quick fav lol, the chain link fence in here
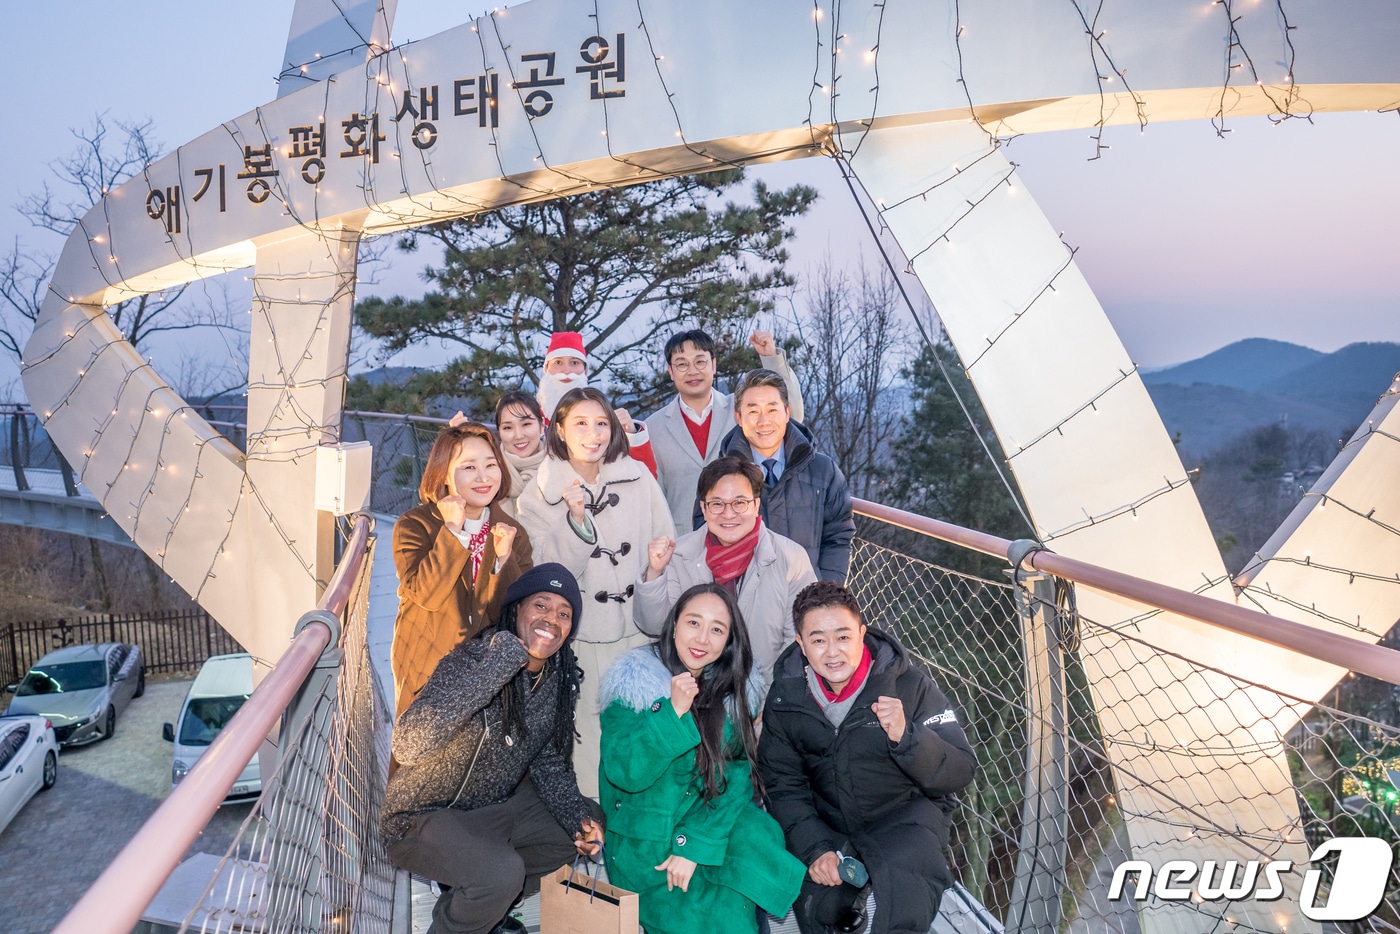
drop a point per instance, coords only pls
(308, 856)
(1189, 755)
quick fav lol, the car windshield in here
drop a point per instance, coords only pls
(63, 678)
(206, 716)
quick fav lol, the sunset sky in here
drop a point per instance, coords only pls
(1190, 241)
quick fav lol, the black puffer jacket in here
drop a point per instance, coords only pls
(458, 712)
(809, 504)
(829, 785)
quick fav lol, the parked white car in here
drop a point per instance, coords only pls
(219, 690)
(28, 762)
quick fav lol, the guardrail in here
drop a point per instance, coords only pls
(116, 900)
(1030, 834)
(1351, 654)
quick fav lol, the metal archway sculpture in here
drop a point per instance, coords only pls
(554, 97)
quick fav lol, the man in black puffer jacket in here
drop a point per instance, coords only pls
(484, 798)
(805, 496)
(860, 754)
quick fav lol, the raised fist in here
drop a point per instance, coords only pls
(763, 342)
(502, 538)
(453, 511)
(659, 551)
(684, 687)
(573, 497)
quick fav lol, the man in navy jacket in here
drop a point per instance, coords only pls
(860, 754)
(805, 495)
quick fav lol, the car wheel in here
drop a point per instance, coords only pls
(50, 770)
(110, 727)
(140, 682)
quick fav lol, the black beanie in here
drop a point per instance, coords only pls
(546, 578)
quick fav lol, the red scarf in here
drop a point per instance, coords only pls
(477, 547)
(853, 685)
(729, 562)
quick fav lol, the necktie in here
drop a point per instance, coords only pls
(769, 478)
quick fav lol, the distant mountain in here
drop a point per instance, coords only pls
(1353, 376)
(1246, 364)
(1212, 400)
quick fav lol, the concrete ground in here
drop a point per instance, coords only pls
(64, 837)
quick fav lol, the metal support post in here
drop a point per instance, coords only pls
(1039, 881)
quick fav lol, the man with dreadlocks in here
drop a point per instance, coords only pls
(485, 799)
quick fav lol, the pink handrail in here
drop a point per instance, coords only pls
(1333, 648)
(116, 900)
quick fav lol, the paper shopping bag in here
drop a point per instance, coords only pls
(572, 902)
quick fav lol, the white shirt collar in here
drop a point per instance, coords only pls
(471, 526)
(694, 416)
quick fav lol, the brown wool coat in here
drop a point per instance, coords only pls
(438, 605)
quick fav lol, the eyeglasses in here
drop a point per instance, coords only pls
(599, 551)
(716, 507)
(700, 365)
(603, 596)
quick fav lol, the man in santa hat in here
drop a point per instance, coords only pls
(565, 368)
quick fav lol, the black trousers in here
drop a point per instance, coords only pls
(905, 873)
(489, 856)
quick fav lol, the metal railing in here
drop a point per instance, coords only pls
(1083, 728)
(116, 900)
(1038, 684)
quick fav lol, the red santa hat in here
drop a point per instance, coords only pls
(566, 344)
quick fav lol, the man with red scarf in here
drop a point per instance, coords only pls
(734, 549)
(861, 754)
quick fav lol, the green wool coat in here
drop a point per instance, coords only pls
(655, 807)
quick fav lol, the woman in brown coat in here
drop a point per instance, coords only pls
(456, 555)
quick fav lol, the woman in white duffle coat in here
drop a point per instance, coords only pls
(592, 508)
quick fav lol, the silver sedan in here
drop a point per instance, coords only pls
(82, 689)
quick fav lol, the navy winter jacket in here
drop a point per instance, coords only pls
(809, 504)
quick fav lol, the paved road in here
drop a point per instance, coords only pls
(65, 837)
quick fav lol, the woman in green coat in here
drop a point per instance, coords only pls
(676, 781)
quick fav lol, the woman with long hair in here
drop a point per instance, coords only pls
(592, 508)
(457, 553)
(520, 424)
(677, 777)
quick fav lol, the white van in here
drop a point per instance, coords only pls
(222, 685)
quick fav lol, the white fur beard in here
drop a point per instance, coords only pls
(553, 387)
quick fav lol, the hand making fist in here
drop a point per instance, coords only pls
(659, 551)
(890, 712)
(625, 417)
(684, 687)
(573, 497)
(453, 510)
(763, 342)
(502, 538)
(825, 869)
(458, 419)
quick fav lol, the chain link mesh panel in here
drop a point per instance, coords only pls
(1226, 738)
(308, 856)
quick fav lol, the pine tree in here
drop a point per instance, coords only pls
(625, 266)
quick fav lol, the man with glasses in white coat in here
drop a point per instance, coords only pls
(735, 549)
(687, 431)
